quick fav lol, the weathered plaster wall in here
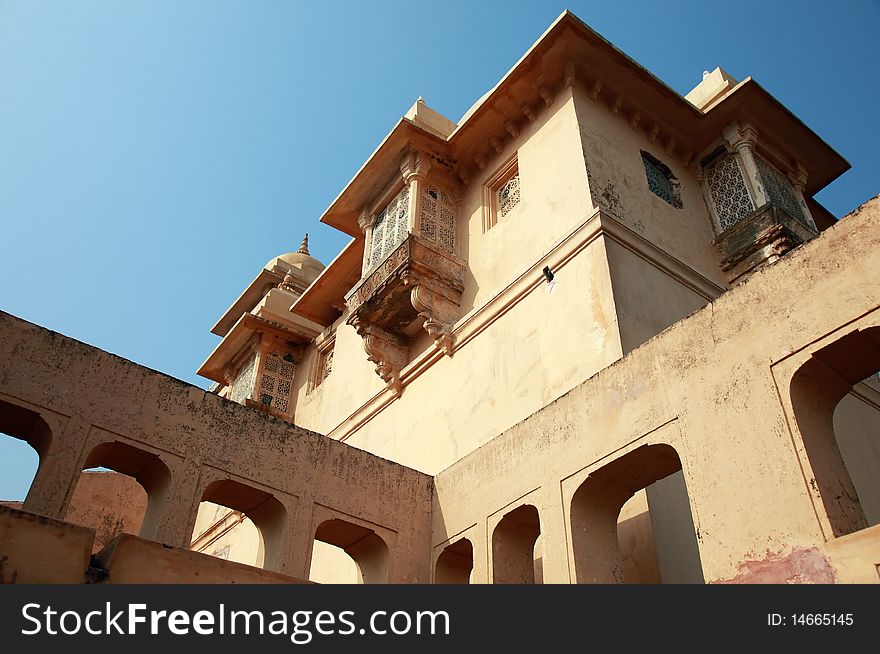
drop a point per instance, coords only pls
(88, 397)
(713, 386)
(109, 503)
(612, 150)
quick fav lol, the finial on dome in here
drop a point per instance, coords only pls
(304, 246)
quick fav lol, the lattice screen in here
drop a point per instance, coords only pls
(780, 190)
(437, 222)
(276, 381)
(325, 364)
(508, 195)
(660, 180)
(244, 381)
(727, 188)
(391, 228)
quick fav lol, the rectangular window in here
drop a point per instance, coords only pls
(323, 361)
(726, 187)
(502, 194)
(390, 229)
(661, 181)
(780, 190)
(276, 380)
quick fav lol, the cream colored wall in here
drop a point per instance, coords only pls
(857, 428)
(554, 200)
(515, 367)
(242, 543)
(351, 382)
(611, 149)
(331, 565)
(672, 530)
(716, 388)
(635, 537)
(543, 347)
(646, 298)
(538, 350)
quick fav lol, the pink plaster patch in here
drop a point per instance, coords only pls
(801, 566)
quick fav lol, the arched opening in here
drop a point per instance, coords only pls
(227, 534)
(610, 544)
(513, 546)
(23, 462)
(836, 402)
(264, 511)
(333, 565)
(455, 563)
(111, 503)
(359, 544)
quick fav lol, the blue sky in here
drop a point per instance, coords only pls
(154, 155)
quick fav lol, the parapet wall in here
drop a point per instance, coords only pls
(81, 407)
(737, 401)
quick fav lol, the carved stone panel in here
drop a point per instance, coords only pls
(417, 287)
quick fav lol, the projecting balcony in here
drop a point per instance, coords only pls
(759, 239)
(417, 286)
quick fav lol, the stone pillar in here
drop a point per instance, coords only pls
(414, 168)
(553, 540)
(798, 180)
(176, 524)
(742, 139)
(56, 479)
(366, 221)
(298, 556)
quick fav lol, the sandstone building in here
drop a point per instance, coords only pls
(592, 332)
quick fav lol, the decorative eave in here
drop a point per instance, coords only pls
(380, 171)
(780, 131)
(570, 53)
(248, 299)
(238, 336)
(324, 301)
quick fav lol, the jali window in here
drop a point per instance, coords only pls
(501, 194)
(324, 361)
(508, 195)
(276, 381)
(780, 190)
(727, 190)
(391, 228)
(244, 381)
(437, 220)
(661, 181)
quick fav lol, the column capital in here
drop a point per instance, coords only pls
(414, 166)
(798, 177)
(741, 136)
(366, 219)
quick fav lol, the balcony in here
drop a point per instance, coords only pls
(417, 286)
(758, 240)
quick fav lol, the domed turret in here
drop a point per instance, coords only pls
(300, 264)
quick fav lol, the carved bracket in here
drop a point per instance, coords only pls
(388, 351)
(418, 286)
(439, 312)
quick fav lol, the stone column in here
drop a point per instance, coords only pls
(798, 180)
(366, 221)
(176, 524)
(56, 478)
(300, 539)
(553, 540)
(742, 139)
(414, 168)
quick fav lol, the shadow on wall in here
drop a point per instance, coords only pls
(836, 402)
(596, 508)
